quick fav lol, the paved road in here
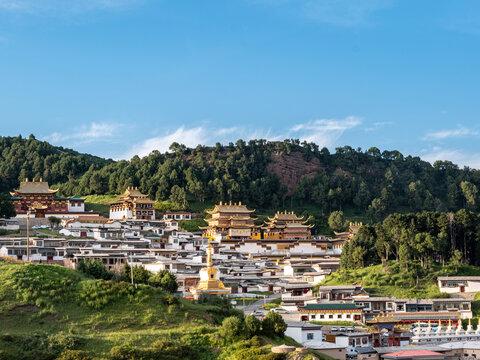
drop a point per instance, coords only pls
(258, 304)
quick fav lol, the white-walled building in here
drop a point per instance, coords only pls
(456, 284)
(302, 331)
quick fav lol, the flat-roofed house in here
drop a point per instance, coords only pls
(456, 284)
(331, 312)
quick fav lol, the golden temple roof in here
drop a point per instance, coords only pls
(134, 192)
(230, 208)
(34, 187)
(285, 216)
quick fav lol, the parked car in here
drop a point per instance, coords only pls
(280, 310)
(334, 328)
(351, 352)
(351, 328)
(343, 329)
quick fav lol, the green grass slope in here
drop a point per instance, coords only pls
(41, 305)
(46, 310)
(393, 279)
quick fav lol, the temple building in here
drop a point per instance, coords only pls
(133, 205)
(41, 201)
(231, 221)
(286, 225)
(209, 280)
(342, 237)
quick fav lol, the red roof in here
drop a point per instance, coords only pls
(408, 354)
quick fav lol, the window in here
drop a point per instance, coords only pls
(330, 316)
(309, 336)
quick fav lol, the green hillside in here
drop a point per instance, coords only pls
(391, 279)
(46, 310)
(368, 184)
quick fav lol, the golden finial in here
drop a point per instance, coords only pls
(209, 255)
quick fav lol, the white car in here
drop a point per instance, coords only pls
(351, 352)
(280, 310)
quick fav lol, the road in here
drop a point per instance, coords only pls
(258, 304)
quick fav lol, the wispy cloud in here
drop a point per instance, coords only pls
(94, 132)
(459, 157)
(345, 13)
(324, 132)
(459, 132)
(378, 125)
(191, 137)
(61, 6)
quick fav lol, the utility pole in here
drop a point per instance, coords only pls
(131, 267)
(28, 235)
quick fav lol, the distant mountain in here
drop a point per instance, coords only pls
(265, 175)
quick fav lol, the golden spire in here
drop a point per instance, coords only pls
(209, 255)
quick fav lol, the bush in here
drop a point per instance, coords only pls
(61, 341)
(252, 325)
(232, 328)
(124, 352)
(95, 269)
(170, 300)
(273, 325)
(74, 355)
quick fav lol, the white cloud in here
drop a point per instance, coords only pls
(459, 132)
(204, 135)
(61, 6)
(189, 137)
(459, 157)
(102, 131)
(324, 132)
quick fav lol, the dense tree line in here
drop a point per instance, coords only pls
(426, 237)
(22, 158)
(371, 181)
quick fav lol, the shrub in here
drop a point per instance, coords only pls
(124, 352)
(74, 355)
(273, 325)
(252, 325)
(232, 328)
(61, 341)
(170, 300)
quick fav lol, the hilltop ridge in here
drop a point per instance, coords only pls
(266, 175)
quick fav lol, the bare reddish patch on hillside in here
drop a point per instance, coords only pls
(290, 169)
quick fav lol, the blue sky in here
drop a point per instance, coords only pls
(122, 77)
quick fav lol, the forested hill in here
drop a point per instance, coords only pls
(265, 175)
(22, 158)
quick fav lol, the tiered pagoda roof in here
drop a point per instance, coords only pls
(230, 208)
(286, 220)
(33, 187)
(134, 195)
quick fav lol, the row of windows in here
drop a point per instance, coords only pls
(332, 316)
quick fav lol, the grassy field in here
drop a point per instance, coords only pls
(46, 309)
(393, 280)
(100, 199)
